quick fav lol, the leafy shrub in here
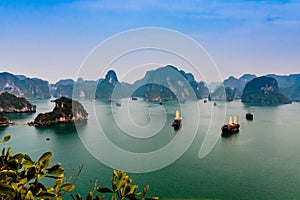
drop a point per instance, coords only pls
(21, 178)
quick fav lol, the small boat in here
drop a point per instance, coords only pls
(118, 104)
(231, 127)
(249, 116)
(177, 121)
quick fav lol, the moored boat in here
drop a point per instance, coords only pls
(177, 120)
(249, 116)
(231, 127)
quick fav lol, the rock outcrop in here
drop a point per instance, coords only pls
(10, 103)
(263, 91)
(4, 121)
(65, 111)
(169, 82)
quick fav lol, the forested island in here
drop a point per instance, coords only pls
(65, 111)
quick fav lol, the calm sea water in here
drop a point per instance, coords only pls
(260, 162)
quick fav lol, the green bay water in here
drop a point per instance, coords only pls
(260, 162)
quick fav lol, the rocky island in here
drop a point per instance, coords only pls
(4, 121)
(65, 111)
(263, 91)
(9, 103)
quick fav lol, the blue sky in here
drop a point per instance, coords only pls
(50, 39)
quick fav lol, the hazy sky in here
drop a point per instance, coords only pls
(51, 38)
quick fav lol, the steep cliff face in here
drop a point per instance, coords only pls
(292, 92)
(65, 111)
(24, 87)
(4, 121)
(223, 94)
(239, 84)
(180, 84)
(105, 87)
(10, 103)
(265, 91)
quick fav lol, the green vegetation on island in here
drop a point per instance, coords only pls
(66, 110)
(10, 103)
(263, 91)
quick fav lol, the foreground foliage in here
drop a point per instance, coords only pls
(22, 178)
(121, 189)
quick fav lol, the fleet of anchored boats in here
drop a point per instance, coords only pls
(227, 129)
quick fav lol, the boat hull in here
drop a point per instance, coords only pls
(176, 124)
(229, 129)
(249, 116)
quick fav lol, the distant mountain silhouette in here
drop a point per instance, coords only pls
(24, 87)
(163, 82)
(240, 83)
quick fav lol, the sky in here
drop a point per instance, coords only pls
(51, 39)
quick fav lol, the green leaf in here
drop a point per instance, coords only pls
(104, 189)
(41, 187)
(27, 157)
(89, 196)
(8, 173)
(78, 197)
(146, 188)
(6, 138)
(23, 181)
(13, 164)
(58, 171)
(8, 153)
(133, 189)
(45, 156)
(19, 156)
(29, 196)
(54, 167)
(7, 190)
(46, 195)
(28, 164)
(67, 187)
(31, 173)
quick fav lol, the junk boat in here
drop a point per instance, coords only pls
(249, 116)
(177, 121)
(230, 128)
